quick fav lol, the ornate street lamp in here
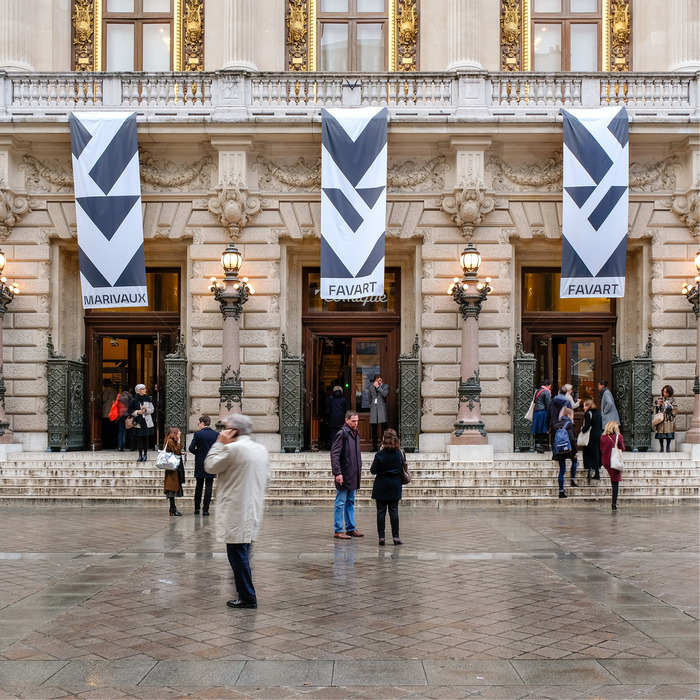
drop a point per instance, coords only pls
(231, 294)
(7, 294)
(469, 294)
(692, 294)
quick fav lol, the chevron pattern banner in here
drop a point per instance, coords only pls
(595, 206)
(353, 202)
(108, 209)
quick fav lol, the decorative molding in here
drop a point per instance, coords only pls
(297, 176)
(83, 35)
(234, 209)
(404, 176)
(49, 176)
(193, 35)
(12, 208)
(406, 35)
(467, 208)
(688, 209)
(511, 35)
(546, 176)
(654, 177)
(297, 35)
(620, 34)
(166, 175)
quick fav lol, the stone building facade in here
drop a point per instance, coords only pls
(229, 143)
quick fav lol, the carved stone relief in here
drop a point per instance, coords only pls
(655, 176)
(688, 209)
(620, 35)
(297, 35)
(511, 35)
(524, 176)
(56, 176)
(467, 208)
(234, 208)
(303, 176)
(83, 31)
(406, 35)
(193, 35)
(12, 208)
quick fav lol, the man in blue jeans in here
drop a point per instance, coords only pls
(346, 464)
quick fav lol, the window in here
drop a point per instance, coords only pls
(138, 35)
(352, 35)
(566, 35)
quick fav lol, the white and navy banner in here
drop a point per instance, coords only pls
(108, 209)
(595, 208)
(353, 202)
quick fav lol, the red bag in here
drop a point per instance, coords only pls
(114, 411)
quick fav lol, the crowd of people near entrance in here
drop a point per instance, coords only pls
(599, 438)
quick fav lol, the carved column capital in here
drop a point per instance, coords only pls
(12, 208)
(467, 207)
(234, 208)
(688, 209)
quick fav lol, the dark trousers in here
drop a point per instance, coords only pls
(142, 444)
(393, 507)
(562, 468)
(615, 489)
(374, 427)
(205, 484)
(240, 563)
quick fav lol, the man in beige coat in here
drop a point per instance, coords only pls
(242, 468)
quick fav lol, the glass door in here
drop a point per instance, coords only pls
(366, 362)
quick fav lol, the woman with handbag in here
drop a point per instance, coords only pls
(611, 440)
(540, 407)
(174, 478)
(664, 420)
(591, 431)
(141, 410)
(388, 467)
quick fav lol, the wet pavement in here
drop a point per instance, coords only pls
(112, 602)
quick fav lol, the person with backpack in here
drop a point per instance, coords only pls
(564, 447)
(346, 465)
(554, 412)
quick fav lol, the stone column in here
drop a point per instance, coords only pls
(15, 35)
(240, 35)
(464, 35)
(685, 28)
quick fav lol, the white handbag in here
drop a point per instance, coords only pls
(583, 438)
(167, 460)
(530, 411)
(616, 457)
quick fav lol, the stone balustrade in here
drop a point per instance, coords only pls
(238, 96)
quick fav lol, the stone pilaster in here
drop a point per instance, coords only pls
(240, 35)
(15, 35)
(464, 35)
(684, 16)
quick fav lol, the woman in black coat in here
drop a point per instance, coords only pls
(387, 484)
(141, 410)
(593, 421)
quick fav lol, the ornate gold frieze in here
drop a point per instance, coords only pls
(193, 35)
(511, 35)
(620, 34)
(83, 31)
(297, 35)
(406, 35)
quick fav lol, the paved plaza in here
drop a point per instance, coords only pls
(114, 602)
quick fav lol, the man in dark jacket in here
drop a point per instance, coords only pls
(346, 465)
(202, 441)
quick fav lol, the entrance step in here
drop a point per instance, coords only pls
(304, 479)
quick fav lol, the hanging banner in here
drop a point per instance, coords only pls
(108, 209)
(595, 202)
(353, 202)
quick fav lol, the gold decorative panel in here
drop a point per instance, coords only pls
(511, 35)
(83, 33)
(297, 35)
(402, 36)
(193, 35)
(406, 24)
(516, 41)
(620, 34)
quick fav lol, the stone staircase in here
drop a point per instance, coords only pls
(303, 479)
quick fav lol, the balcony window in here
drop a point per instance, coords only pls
(352, 35)
(138, 35)
(566, 35)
